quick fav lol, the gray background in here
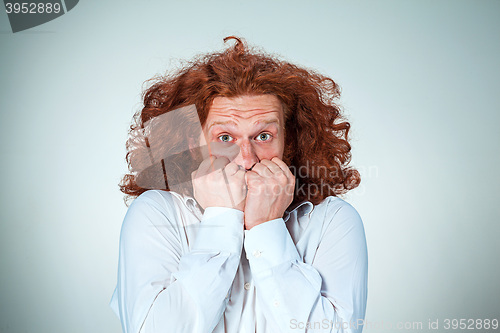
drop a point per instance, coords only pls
(420, 83)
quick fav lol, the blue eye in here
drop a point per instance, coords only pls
(225, 138)
(264, 137)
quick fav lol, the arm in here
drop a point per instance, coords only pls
(160, 289)
(330, 293)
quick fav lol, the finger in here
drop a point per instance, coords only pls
(251, 176)
(282, 165)
(231, 169)
(241, 175)
(248, 174)
(262, 170)
(272, 166)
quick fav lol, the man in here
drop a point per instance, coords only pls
(247, 245)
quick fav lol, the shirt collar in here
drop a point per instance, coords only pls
(302, 208)
(189, 201)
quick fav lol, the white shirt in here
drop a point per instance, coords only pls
(183, 271)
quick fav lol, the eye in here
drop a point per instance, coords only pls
(225, 138)
(264, 137)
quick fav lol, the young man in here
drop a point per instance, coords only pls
(258, 240)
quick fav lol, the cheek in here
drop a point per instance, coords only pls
(220, 149)
(268, 152)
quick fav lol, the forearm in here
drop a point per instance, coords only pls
(207, 272)
(291, 290)
(195, 301)
(161, 289)
(291, 294)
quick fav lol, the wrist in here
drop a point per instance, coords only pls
(249, 224)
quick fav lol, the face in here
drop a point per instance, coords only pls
(246, 129)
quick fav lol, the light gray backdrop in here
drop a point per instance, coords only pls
(421, 87)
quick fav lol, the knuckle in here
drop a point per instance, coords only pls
(282, 178)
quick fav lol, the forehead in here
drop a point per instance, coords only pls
(254, 108)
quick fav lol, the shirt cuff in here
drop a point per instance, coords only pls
(221, 230)
(268, 245)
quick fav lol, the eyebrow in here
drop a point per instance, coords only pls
(227, 122)
(230, 122)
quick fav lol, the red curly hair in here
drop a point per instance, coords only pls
(316, 135)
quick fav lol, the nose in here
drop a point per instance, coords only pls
(247, 157)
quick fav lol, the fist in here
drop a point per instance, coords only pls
(219, 183)
(271, 187)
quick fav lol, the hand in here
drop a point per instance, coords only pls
(271, 186)
(219, 183)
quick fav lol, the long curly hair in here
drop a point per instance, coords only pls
(316, 134)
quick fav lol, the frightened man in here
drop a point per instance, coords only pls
(236, 163)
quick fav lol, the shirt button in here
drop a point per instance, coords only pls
(247, 286)
(257, 253)
(276, 303)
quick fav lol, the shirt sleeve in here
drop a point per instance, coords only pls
(328, 295)
(159, 288)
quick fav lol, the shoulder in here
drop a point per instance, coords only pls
(343, 229)
(157, 196)
(153, 207)
(339, 206)
(162, 200)
(338, 212)
(151, 225)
